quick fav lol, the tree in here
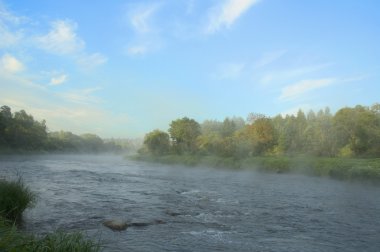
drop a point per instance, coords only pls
(157, 142)
(184, 133)
(228, 127)
(92, 143)
(5, 121)
(261, 134)
(358, 130)
(23, 132)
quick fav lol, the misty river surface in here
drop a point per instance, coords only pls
(202, 209)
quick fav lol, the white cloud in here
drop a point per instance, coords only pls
(224, 15)
(293, 91)
(140, 18)
(58, 80)
(268, 58)
(62, 38)
(90, 61)
(10, 64)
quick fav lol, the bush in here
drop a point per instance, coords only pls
(15, 197)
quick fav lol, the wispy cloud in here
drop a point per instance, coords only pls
(140, 17)
(90, 61)
(284, 75)
(8, 16)
(270, 57)
(58, 80)
(297, 89)
(137, 50)
(62, 38)
(82, 96)
(225, 14)
(10, 64)
(146, 37)
(229, 71)
(9, 37)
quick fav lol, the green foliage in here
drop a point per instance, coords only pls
(11, 240)
(20, 132)
(184, 133)
(261, 135)
(337, 168)
(15, 197)
(157, 142)
(359, 127)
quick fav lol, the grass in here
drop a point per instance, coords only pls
(15, 197)
(337, 168)
(11, 240)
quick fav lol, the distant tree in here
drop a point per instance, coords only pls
(358, 129)
(262, 135)
(184, 133)
(157, 142)
(228, 128)
(5, 121)
(211, 127)
(92, 143)
(23, 132)
(252, 117)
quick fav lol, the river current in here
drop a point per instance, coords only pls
(196, 209)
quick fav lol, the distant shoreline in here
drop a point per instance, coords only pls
(348, 169)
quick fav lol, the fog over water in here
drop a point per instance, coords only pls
(201, 209)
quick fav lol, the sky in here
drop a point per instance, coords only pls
(122, 68)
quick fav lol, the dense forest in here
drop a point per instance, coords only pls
(350, 132)
(19, 131)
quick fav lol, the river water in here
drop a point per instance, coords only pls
(201, 209)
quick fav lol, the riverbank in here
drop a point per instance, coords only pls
(337, 168)
(15, 197)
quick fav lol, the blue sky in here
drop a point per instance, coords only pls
(123, 68)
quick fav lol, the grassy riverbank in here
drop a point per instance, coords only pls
(337, 168)
(15, 197)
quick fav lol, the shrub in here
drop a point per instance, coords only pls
(15, 197)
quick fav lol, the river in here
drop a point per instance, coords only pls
(201, 209)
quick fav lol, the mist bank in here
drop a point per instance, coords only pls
(350, 169)
(344, 145)
(20, 133)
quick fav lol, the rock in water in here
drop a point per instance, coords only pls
(116, 225)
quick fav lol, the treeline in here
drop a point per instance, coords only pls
(350, 132)
(19, 131)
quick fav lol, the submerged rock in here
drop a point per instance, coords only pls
(144, 224)
(116, 225)
(171, 213)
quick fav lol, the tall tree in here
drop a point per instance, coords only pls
(184, 133)
(157, 142)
